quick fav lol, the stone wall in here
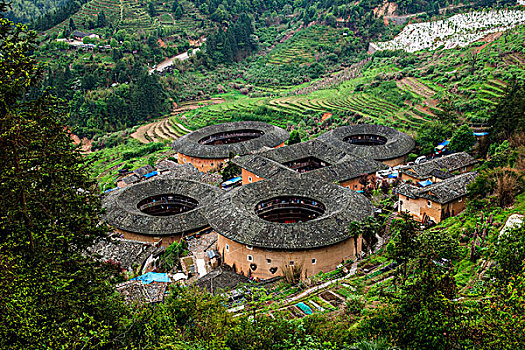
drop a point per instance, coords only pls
(166, 240)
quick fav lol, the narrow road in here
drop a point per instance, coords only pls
(169, 62)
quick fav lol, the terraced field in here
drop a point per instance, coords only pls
(164, 130)
(491, 91)
(90, 11)
(123, 14)
(304, 45)
(416, 87)
(192, 24)
(372, 108)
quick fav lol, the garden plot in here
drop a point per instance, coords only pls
(458, 30)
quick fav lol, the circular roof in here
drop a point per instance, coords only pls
(191, 144)
(397, 143)
(233, 214)
(122, 207)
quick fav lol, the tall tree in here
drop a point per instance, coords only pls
(51, 293)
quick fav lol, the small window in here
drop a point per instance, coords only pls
(250, 258)
(227, 247)
(249, 179)
(256, 176)
(355, 187)
(291, 263)
(314, 261)
(268, 261)
(211, 164)
(400, 202)
(184, 160)
(429, 204)
(460, 200)
(249, 247)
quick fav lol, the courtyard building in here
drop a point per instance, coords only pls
(162, 210)
(209, 148)
(286, 223)
(311, 159)
(369, 141)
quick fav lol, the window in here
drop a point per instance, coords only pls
(314, 261)
(227, 247)
(249, 179)
(256, 176)
(400, 202)
(291, 263)
(249, 258)
(268, 261)
(249, 247)
(460, 200)
(355, 187)
(429, 204)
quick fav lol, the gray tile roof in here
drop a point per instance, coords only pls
(130, 179)
(342, 166)
(233, 214)
(441, 192)
(448, 163)
(397, 143)
(143, 170)
(189, 144)
(122, 211)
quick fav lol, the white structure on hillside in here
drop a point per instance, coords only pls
(458, 30)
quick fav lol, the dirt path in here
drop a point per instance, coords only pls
(140, 133)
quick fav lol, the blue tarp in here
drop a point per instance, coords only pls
(305, 308)
(393, 175)
(480, 134)
(425, 183)
(153, 277)
(111, 189)
(232, 181)
(153, 173)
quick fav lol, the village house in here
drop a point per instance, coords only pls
(439, 169)
(435, 202)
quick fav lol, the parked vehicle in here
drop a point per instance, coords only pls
(420, 159)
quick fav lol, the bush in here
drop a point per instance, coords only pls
(142, 151)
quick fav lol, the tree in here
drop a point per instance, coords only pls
(231, 170)
(431, 134)
(510, 253)
(406, 246)
(509, 115)
(294, 138)
(330, 20)
(462, 139)
(151, 9)
(101, 20)
(51, 293)
(177, 10)
(72, 25)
